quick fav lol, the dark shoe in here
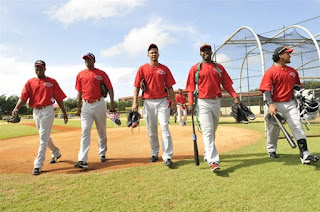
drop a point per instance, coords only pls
(36, 171)
(153, 159)
(81, 165)
(184, 124)
(54, 159)
(273, 155)
(168, 162)
(214, 167)
(103, 159)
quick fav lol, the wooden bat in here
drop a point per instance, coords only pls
(195, 145)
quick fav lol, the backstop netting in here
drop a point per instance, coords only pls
(247, 55)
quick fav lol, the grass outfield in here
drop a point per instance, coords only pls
(248, 181)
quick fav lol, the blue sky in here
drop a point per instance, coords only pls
(118, 33)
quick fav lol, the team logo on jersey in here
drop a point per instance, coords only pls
(161, 72)
(99, 77)
(293, 74)
(48, 84)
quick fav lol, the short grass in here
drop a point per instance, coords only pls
(16, 130)
(248, 181)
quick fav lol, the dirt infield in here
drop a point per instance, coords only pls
(124, 148)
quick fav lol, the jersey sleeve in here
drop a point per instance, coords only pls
(25, 94)
(190, 86)
(78, 84)
(170, 80)
(58, 94)
(107, 81)
(139, 77)
(266, 82)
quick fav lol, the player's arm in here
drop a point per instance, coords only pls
(135, 98)
(79, 103)
(174, 103)
(111, 94)
(272, 107)
(19, 104)
(65, 116)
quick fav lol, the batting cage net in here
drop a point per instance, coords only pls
(247, 55)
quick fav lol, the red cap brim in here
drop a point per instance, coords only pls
(289, 51)
(87, 57)
(39, 65)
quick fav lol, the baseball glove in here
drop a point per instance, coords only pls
(143, 85)
(114, 116)
(238, 114)
(133, 119)
(247, 112)
(14, 119)
(104, 89)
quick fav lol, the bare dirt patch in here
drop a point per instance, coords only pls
(124, 148)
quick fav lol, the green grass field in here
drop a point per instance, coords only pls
(248, 181)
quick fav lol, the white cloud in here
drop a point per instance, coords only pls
(224, 59)
(14, 74)
(138, 39)
(78, 10)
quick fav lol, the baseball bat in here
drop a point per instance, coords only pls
(285, 132)
(195, 145)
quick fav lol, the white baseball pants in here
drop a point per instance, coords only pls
(181, 113)
(93, 112)
(209, 112)
(43, 119)
(291, 112)
(155, 109)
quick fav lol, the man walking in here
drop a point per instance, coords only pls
(277, 84)
(205, 78)
(181, 107)
(93, 108)
(42, 92)
(157, 78)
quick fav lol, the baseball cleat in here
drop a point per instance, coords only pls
(81, 165)
(168, 162)
(54, 159)
(214, 167)
(103, 159)
(153, 159)
(273, 155)
(308, 158)
(36, 171)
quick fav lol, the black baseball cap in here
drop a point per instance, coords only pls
(152, 46)
(281, 50)
(89, 55)
(40, 63)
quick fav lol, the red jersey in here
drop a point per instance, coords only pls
(88, 83)
(157, 79)
(181, 99)
(280, 82)
(209, 82)
(42, 92)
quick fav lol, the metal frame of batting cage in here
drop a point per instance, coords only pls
(259, 45)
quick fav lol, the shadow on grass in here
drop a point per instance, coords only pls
(247, 160)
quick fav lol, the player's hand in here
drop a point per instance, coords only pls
(14, 110)
(79, 111)
(174, 109)
(112, 105)
(237, 100)
(65, 118)
(190, 107)
(272, 109)
(134, 107)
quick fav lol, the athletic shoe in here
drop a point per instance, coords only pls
(81, 165)
(273, 155)
(308, 158)
(184, 124)
(205, 159)
(54, 159)
(36, 171)
(103, 159)
(214, 167)
(153, 159)
(168, 162)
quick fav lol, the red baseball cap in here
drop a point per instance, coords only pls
(152, 46)
(283, 49)
(205, 46)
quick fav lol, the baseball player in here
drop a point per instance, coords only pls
(157, 78)
(93, 108)
(181, 108)
(42, 92)
(210, 76)
(277, 84)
